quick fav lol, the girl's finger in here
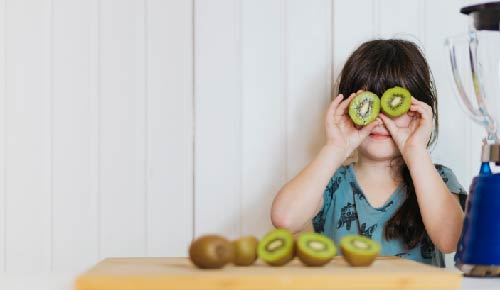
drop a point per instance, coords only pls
(333, 106)
(366, 130)
(423, 104)
(341, 109)
(424, 114)
(393, 129)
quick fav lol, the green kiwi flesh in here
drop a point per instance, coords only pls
(245, 250)
(359, 251)
(211, 252)
(395, 101)
(315, 249)
(276, 248)
(364, 108)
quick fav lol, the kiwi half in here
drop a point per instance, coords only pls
(358, 250)
(395, 101)
(211, 252)
(364, 108)
(315, 249)
(245, 250)
(276, 248)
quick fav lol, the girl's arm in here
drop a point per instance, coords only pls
(300, 199)
(440, 210)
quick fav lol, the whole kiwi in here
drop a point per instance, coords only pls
(395, 101)
(211, 252)
(245, 250)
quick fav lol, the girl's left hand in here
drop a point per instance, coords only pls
(417, 134)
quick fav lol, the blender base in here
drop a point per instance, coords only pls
(479, 270)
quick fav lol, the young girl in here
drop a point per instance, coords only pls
(394, 193)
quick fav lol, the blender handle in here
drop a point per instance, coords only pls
(480, 115)
(465, 102)
(477, 78)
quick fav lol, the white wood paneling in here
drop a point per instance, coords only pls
(217, 117)
(122, 128)
(308, 82)
(391, 21)
(450, 113)
(3, 193)
(28, 138)
(263, 111)
(348, 34)
(75, 219)
(128, 127)
(169, 96)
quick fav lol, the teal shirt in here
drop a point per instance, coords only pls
(339, 215)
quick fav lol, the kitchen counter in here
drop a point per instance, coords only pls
(64, 281)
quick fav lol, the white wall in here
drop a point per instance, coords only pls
(128, 127)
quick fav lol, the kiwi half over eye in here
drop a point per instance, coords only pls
(364, 108)
(395, 101)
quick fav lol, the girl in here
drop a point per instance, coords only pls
(393, 194)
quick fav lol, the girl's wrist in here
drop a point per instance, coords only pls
(414, 155)
(337, 152)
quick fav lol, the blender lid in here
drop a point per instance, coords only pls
(486, 15)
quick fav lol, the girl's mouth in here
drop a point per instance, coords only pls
(379, 136)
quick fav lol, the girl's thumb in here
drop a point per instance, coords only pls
(368, 128)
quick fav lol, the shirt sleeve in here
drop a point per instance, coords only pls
(452, 183)
(319, 220)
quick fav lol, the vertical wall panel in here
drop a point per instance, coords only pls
(217, 117)
(28, 139)
(170, 126)
(2, 139)
(396, 20)
(348, 34)
(75, 205)
(308, 82)
(122, 120)
(263, 111)
(450, 113)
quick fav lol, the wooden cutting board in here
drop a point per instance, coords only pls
(180, 274)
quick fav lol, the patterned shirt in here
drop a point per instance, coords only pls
(345, 206)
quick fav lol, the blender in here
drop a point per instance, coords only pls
(478, 250)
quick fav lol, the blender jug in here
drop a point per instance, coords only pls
(478, 251)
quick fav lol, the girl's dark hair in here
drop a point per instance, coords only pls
(376, 66)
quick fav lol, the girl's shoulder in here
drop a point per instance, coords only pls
(446, 173)
(451, 181)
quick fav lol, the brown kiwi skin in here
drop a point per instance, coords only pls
(312, 261)
(245, 250)
(211, 252)
(358, 260)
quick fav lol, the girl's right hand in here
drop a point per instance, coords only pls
(340, 130)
